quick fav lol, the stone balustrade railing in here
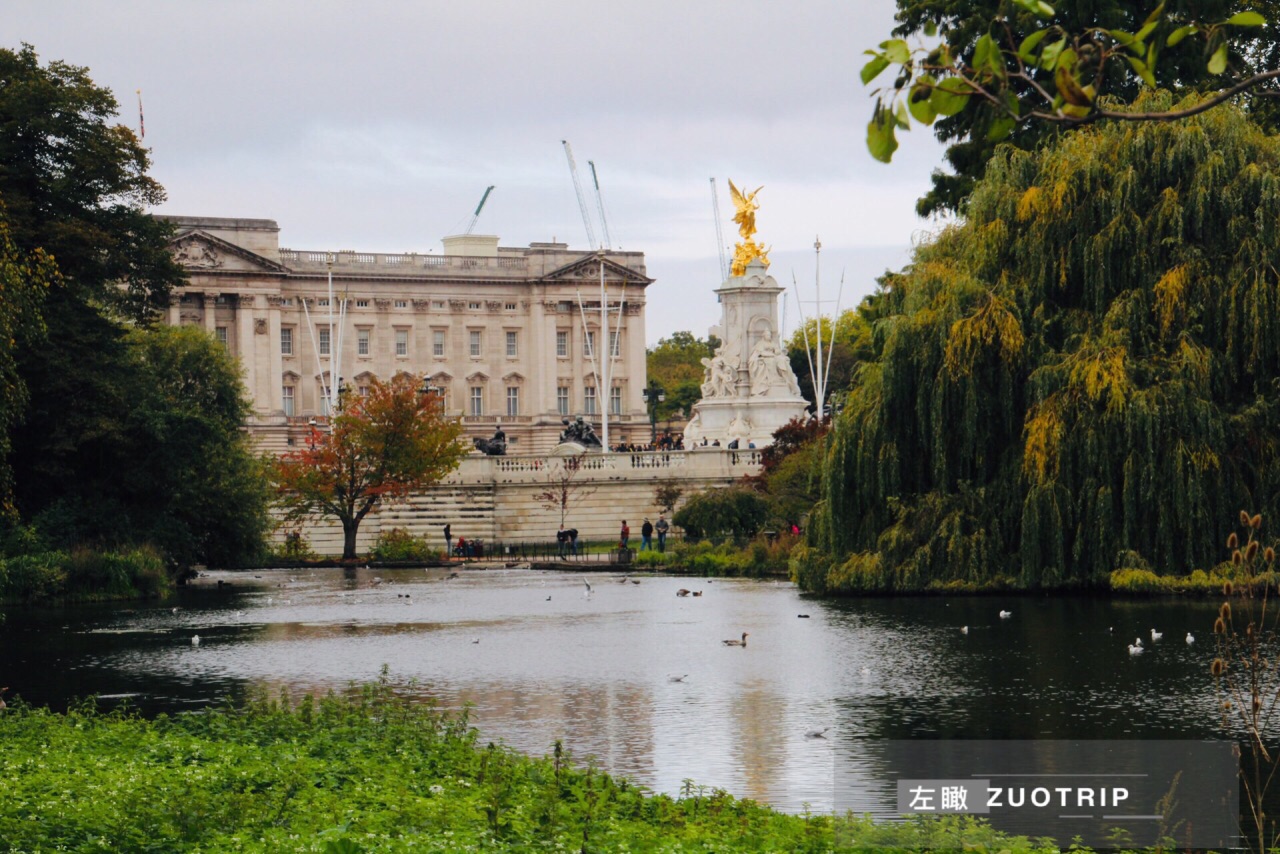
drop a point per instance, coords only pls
(709, 463)
(298, 257)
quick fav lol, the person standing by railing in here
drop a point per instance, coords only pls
(662, 527)
(646, 535)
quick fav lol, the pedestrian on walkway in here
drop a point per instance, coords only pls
(562, 542)
(646, 535)
(625, 536)
(662, 527)
(448, 541)
(573, 541)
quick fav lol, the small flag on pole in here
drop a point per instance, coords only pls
(142, 125)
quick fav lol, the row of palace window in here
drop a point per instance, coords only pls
(476, 396)
(475, 342)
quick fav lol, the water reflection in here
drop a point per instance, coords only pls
(536, 660)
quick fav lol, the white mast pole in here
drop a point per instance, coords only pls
(333, 348)
(605, 359)
(820, 391)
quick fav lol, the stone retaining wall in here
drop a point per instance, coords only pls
(500, 498)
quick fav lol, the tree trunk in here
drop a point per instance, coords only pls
(350, 527)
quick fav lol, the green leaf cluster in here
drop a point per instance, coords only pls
(1085, 367)
(1059, 58)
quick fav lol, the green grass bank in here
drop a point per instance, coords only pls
(368, 772)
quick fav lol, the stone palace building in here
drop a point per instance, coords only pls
(507, 334)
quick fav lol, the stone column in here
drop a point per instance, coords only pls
(273, 400)
(246, 345)
(210, 311)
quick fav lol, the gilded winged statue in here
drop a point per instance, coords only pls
(745, 206)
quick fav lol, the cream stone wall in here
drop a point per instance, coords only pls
(269, 304)
(497, 498)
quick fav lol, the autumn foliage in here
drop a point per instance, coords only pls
(380, 447)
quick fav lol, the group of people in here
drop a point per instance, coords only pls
(463, 548)
(666, 443)
(647, 530)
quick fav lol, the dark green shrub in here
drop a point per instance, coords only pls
(732, 512)
(33, 576)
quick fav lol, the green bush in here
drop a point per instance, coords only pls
(34, 576)
(733, 512)
(397, 544)
(85, 574)
(294, 547)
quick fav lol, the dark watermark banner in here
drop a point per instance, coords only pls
(1109, 794)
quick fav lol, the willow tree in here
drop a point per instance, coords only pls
(1083, 374)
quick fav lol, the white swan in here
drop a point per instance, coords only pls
(195, 640)
(1004, 615)
(1191, 638)
(1155, 636)
(964, 630)
(1135, 649)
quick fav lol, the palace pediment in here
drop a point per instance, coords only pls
(587, 269)
(199, 252)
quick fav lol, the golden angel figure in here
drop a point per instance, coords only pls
(745, 209)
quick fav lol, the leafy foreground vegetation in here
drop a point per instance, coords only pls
(368, 772)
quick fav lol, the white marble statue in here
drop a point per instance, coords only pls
(770, 368)
(719, 377)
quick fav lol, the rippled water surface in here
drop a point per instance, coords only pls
(537, 659)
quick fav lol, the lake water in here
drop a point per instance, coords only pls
(537, 659)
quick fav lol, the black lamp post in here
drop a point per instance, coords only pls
(653, 395)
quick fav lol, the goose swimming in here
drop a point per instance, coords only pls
(733, 642)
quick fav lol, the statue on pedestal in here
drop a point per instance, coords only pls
(579, 431)
(745, 206)
(719, 377)
(770, 368)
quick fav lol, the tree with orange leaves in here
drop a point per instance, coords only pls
(380, 446)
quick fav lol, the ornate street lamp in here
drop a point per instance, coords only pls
(653, 395)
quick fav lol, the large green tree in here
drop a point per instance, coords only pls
(24, 281)
(172, 466)
(1006, 65)
(76, 189)
(675, 363)
(1084, 369)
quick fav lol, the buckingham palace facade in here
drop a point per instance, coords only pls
(507, 334)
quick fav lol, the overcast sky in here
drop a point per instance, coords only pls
(376, 126)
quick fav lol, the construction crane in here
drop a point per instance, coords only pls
(577, 188)
(604, 223)
(715, 206)
(479, 208)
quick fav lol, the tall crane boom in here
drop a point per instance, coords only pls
(479, 208)
(582, 200)
(604, 223)
(715, 206)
